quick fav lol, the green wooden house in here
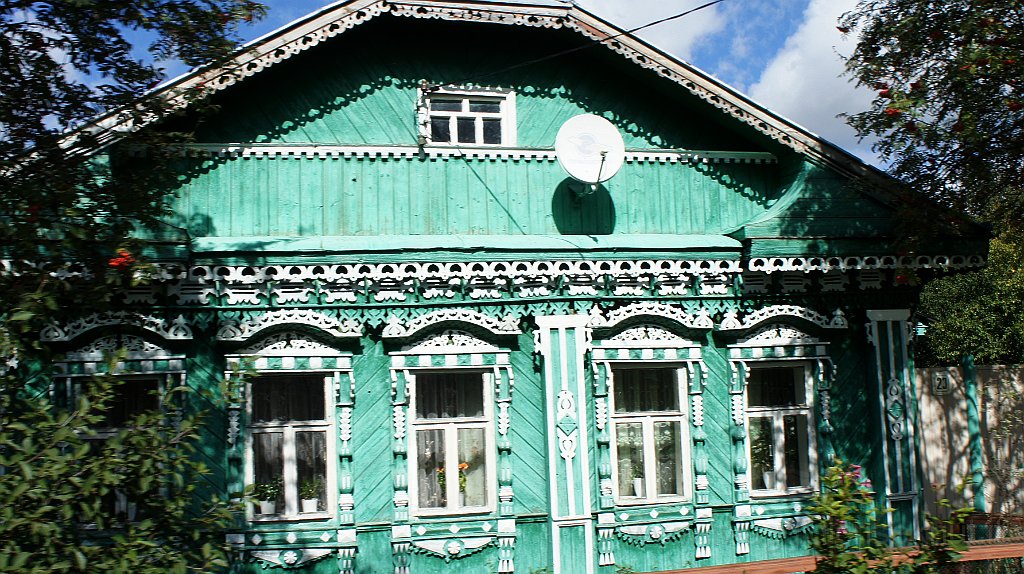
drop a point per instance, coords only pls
(449, 355)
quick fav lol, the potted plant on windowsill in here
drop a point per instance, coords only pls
(309, 492)
(266, 494)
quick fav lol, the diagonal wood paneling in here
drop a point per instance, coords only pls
(371, 437)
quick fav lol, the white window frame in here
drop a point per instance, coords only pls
(507, 114)
(291, 510)
(647, 419)
(450, 427)
(778, 415)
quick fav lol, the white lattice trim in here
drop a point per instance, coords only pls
(293, 151)
(231, 330)
(449, 341)
(775, 335)
(700, 320)
(731, 322)
(865, 262)
(288, 344)
(173, 330)
(247, 275)
(135, 346)
(396, 328)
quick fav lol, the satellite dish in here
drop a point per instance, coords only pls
(589, 148)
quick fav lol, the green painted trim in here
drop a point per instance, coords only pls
(974, 433)
(468, 243)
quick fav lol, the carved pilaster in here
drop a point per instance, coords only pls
(399, 409)
(740, 373)
(702, 533)
(345, 394)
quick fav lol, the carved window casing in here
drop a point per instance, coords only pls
(451, 442)
(466, 115)
(780, 426)
(288, 440)
(781, 379)
(289, 423)
(145, 372)
(649, 433)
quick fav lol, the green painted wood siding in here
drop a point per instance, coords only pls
(304, 197)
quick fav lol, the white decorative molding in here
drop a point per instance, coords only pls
(291, 558)
(863, 262)
(396, 328)
(700, 320)
(449, 548)
(775, 335)
(232, 330)
(288, 344)
(779, 528)
(449, 341)
(175, 329)
(463, 151)
(644, 335)
(731, 322)
(137, 348)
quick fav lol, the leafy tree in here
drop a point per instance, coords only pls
(61, 64)
(949, 111)
(72, 207)
(977, 312)
(949, 119)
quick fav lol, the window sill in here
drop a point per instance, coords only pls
(793, 492)
(629, 501)
(305, 517)
(452, 513)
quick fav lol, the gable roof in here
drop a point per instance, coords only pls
(341, 16)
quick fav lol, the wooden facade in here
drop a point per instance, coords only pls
(346, 270)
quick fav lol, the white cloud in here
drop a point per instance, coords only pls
(676, 37)
(803, 82)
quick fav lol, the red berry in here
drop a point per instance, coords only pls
(892, 112)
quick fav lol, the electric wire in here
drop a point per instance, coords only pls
(470, 79)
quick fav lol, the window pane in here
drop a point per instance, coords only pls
(268, 463)
(446, 105)
(485, 106)
(449, 395)
(467, 130)
(440, 130)
(776, 387)
(629, 445)
(131, 397)
(795, 449)
(288, 398)
(667, 452)
(762, 454)
(472, 469)
(644, 390)
(492, 131)
(430, 474)
(311, 460)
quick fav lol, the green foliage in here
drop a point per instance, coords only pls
(59, 482)
(311, 488)
(67, 221)
(977, 312)
(851, 535)
(949, 112)
(268, 490)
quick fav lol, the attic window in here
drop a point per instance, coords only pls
(466, 116)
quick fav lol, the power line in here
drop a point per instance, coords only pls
(578, 48)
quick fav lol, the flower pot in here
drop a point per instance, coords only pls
(268, 507)
(769, 480)
(310, 504)
(638, 487)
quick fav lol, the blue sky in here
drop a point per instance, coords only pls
(784, 54)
